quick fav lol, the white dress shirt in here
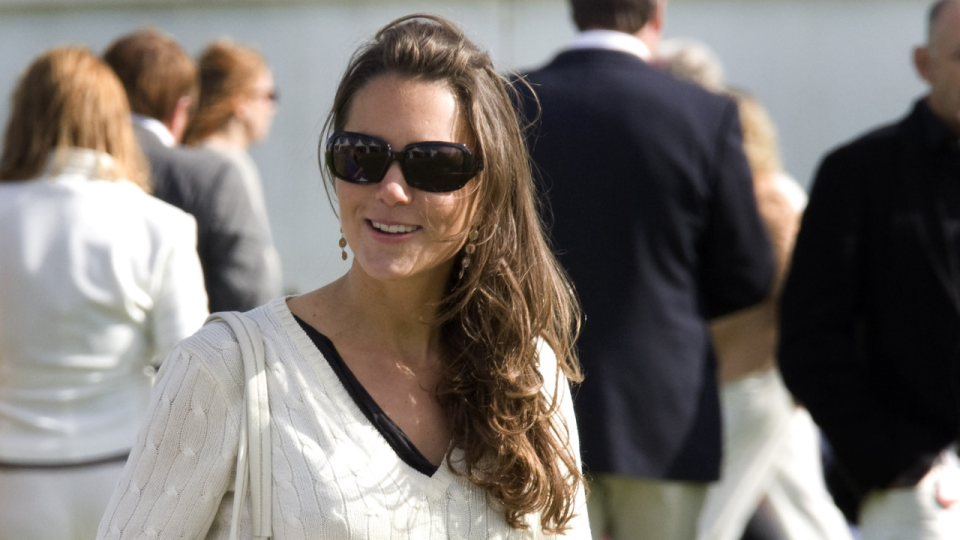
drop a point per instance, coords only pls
(611, 40)
(156, 127)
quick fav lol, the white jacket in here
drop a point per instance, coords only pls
(98, 280)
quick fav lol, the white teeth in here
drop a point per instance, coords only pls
(393, 229)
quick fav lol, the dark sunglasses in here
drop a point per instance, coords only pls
(429, 166)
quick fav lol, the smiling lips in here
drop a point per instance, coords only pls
(393, 229)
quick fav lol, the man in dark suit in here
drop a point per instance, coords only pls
(160, 80)
(870, 337)
(654, 218)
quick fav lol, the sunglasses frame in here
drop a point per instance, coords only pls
(472, 164)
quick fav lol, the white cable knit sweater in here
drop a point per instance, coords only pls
(334, 475)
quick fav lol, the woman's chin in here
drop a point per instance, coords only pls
(396, 270)
(383, 270)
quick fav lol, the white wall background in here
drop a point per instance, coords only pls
(827, 70)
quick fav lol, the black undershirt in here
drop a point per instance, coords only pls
(390, 431)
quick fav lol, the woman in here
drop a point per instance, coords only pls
(235, 109)
(424, 394)
(98, 281)
(771, 445)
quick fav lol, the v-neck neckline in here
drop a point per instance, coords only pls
(450, 470)
(388, 429)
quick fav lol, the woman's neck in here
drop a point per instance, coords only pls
(233, 135)
(396, 317)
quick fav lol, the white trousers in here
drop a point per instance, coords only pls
(623, 508)
(55, 504)
(929, 511)
(772, 450)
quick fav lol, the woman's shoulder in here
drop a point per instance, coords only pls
(123, 203)
(216, 348)
(791, 189)
(548, 366)
(159, 214)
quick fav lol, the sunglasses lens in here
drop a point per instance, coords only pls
(429, 166)
(360, 160)
(437, 167)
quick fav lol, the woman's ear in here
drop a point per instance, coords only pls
(240, 106)
(179, 118)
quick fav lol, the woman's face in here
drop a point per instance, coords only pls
(396, 231)
(257, 107)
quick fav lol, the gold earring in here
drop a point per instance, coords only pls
(468, 250)
(343, 245)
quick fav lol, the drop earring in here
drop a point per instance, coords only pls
(468, 250)
(343, 246)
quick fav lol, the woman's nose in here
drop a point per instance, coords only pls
(394, 188)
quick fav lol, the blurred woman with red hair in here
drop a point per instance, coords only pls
(235, 110)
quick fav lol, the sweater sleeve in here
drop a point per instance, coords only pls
(183, 461)
(555, 383)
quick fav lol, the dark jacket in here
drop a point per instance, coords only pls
(870, 337)
(229, 242)
(654, 217)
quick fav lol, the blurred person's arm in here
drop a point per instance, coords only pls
(737, 257)
(232, 247)
(745, 341)
(180, 306)
(781, 217)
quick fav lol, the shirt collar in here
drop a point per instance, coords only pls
(156, 127)
(80, 161)
(613, 41)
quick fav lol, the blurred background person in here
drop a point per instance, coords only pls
(692, 61)
(98, 280)
(655, 220)
(161, 83)
(871, 309)
(771, 451)
(771, 445)
(235, 109)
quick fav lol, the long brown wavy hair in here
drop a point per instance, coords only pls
(69, 98)
(513, 293)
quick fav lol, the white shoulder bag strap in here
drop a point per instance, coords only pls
(254, 429)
